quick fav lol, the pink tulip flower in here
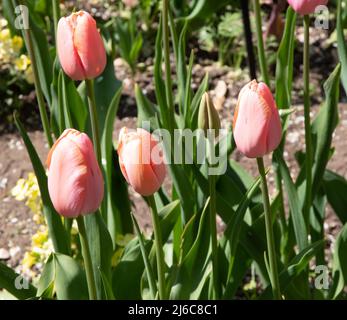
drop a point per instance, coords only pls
(257, 125)
(75, 181)
(304, 7)
(80, 47)
(141, 161)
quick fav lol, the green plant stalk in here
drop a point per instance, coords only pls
(308, 137)
(261, 50)
(87, 258)
(274, 279)
(39, 94)
(94, 119)
(56, 16)
(166, 44)
(214, 243)
(158, 247)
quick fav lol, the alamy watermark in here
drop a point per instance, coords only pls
(22, 20)
(321, 280)
(186, 146)
(322, 17)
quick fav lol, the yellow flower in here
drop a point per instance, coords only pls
(28, 189)
(19, 190)
(17, 43)
(5, 35)
(40, 238)
(30, 258)
(22, 63)
(3, 23)
(29, 75)
(123, 240)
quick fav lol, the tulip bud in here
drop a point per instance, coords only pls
(304, 7)
(257, 125)
(75, 181)
(80, 47)
(141, 161)
(208, 117)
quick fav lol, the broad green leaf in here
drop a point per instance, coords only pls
(196, 102)
(107, 287)
(70, 281)
(202, 11)
(180, 181)
(57, 116)
(101, 249)
(233, 229)
(181, 68)
(126, 276)
(341, 42)
(335, 187)
(63, 276)
(160, 90)
(45, 288)
(294, 204)
(340, 263)
(148, 267)
(117, 220)
(297, 265)
(168, 216)
(195, 261)
(75, 111)
(284, 64)
(10, 15)
(324, 126)
(173, 33)
(145, 109)
(105, 87)
(188, 91)
(136, 49)
(40, 47)
(55, 226)
(8, 280)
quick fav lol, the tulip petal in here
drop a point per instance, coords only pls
(66, 179)
(139, 174)
(68, 56)
(305, 7)
(251, 124)
(75, 181)
(89, 45)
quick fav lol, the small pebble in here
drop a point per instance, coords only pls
(4, 254)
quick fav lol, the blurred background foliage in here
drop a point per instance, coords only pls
(129, 27)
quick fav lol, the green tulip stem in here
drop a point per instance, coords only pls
(308, 137)
(214, 243)
(38, 89)
(158, 247)
(269, 233)
(261, 49)
(94, 119)
(87, 258)
(56, 16)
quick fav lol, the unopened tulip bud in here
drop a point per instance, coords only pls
(80, 47)
(257, 125)
(208, 118)
(305, 7)
(75, 181)
(141, 161)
